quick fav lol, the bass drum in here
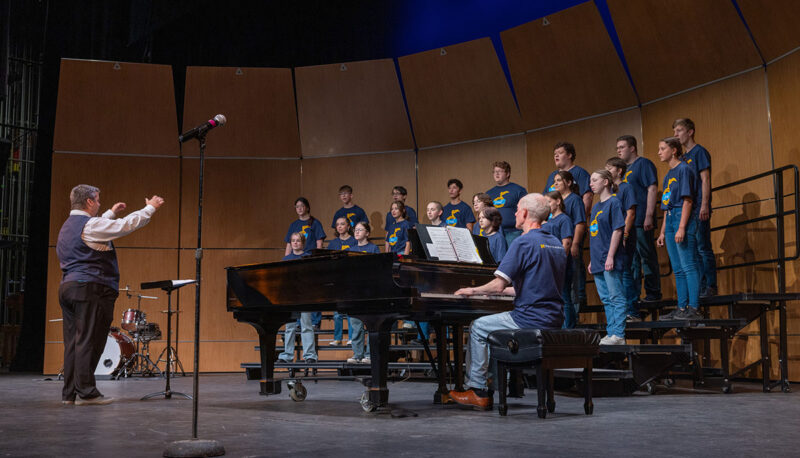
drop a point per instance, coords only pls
(119, 348)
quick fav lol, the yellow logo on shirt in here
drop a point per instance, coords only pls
(393, 238)
(344, 247)
(452, 220)
(480, 232)
(500, 201)
(593, 226)
(667, 193)
(626, 176)
(689, 161)
(303, 230)
(349, 217)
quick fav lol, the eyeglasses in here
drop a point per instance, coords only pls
(359, 229)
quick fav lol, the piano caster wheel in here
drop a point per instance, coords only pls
(650, 387)
(297, 391)
(668, 382)
(366, 404)
(727, 388)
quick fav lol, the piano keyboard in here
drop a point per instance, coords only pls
(477, 296)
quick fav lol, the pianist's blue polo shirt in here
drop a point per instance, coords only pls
(535, 264)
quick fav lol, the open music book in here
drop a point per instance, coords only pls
(449, 244)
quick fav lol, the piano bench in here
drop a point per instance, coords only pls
(543, 350)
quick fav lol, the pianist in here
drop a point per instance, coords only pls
(533, 270)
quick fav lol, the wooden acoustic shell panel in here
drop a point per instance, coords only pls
(472, 164)
(135, 266)
(773, 24)
(247, 203)
(566, 69)
(258, 103)
(372, 177)
(351, 108)
(458, 93)
(112, 107)
(595, 141)
(676, 45)
(128, 179)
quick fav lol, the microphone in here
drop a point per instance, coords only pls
(218, 120)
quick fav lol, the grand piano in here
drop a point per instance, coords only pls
(376, 288)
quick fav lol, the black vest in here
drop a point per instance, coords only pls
(79, 262)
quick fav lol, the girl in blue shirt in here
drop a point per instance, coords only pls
(677, 201)
(305, 224)
(356, 327)
(480, 201)
(490, 220)
(573, 206)
(297, 242)
(344, 238)
(397, 232)
(560, 225)
(607, 258)
(363, 244)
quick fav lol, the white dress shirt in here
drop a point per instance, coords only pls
(99, 231)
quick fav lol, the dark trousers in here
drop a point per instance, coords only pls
(88, 309)
(645, 261)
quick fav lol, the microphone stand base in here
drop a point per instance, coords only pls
(194, 447)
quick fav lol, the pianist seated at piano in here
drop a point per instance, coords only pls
(533, 271)
(298, 244)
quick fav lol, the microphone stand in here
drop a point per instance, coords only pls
(195, 446)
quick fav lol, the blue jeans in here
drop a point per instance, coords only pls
(511, 234)
(609, 288)
(479, 348)
(683, 258)
(338, 332)
(645, 263)
(570, 310)
(306, 335)
(629, 290)
(706, 263)
(357, 335)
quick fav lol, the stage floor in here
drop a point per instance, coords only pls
(330, 422)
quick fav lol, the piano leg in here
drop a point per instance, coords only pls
(267, 330)
(379, 326)
(458, 355)
(442, 395)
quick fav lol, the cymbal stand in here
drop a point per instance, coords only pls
(167, 393)
(139, 363)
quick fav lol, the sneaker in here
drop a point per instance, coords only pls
(691, 313)
(284, 361)
(366, 360)
(353, 360)
(67, 402)
(335, 343)
(95, 401)
(349, 342)
(408, 325)
(673, 315)
(632, 319)
(311, 361)
(708, 292)
(612, 340)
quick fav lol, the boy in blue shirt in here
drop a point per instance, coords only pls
(457, 213)
(642, 175)
(698, 158)
(305, 224)
(533, 271)
(352, 212)
(399, 194)
(564, 157)
(505, 196)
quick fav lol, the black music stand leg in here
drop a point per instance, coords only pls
(167, 393)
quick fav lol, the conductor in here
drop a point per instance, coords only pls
(90, 285)
(534, 266)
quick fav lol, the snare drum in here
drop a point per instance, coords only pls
(148, 331)
(131, 319)
(119, 348)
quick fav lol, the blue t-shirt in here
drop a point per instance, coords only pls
(310, 228)
(641, 174)
(339, 244)
(606, 218)
(458, 215)
(579, 174)
(368, 248)
(291, 256)
(397, 236)
(628, 200)
(699, 159)
(476, 229)
(411, 217)
(679, 182)
(505, 199)
(574, 208)
(560, 226)
(536, 265)
(497, 246)
(354, 214)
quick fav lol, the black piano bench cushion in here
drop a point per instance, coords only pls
(523, 345)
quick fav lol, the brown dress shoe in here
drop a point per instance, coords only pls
(470, 398)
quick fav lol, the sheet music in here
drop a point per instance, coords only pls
(464, 246)
(440, 245)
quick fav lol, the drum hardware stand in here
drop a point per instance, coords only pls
(168, 286)
(139, 363)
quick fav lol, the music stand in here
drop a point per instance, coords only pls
(168, 286)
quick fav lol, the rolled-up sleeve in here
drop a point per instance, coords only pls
(107, 228)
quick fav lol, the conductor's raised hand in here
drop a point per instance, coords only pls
(155, 201)
(118, 207)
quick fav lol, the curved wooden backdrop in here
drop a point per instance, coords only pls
(463, 116)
